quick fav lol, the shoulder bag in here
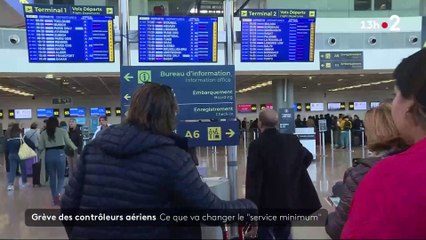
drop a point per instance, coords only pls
(25, 152)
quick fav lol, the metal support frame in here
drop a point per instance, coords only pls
(363, 143)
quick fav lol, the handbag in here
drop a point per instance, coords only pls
(25, 152)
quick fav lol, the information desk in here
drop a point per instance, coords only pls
(277, 35)
(69, 33)
(307, 139)
(220, 187)
(177, 39)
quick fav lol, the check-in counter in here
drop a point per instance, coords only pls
(307, 139)
(220, 187)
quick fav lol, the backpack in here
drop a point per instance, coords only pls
(347, 125)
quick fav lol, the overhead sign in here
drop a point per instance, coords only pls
(178, 39)
(62, 100)
(277, 35)
(342, 60)
(286, 117)
(220, 133)
(202, 92)
(62, 33)
(1, 114)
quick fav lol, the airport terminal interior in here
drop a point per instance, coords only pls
(226, 60)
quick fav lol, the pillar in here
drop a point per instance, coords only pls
(284, 94)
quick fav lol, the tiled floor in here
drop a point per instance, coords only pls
(325, 171)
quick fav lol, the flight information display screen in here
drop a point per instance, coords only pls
(177, 39)
(69, 33)
(44, 112)
(77, 112)
(97, 112)
(277, 35)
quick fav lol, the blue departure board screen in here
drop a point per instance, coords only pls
(277, 35)
(97, 112)
(69, 33)
(77, 112)
(44, 112)
(177, 39)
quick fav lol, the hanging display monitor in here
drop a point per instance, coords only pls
(277, 35)
(266, 105)
(336, 106)
(23, 113)
(314, 107)
(358, 106)
(97, 112)
(247, 108)
(62, 33)
(374, 104)
(44, 112)
(108, 111)
(75, 112)
(11, 114)
(177, 39)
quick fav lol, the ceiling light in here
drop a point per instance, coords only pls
(361, 75)
(304, 87)
(73, 87)
(318, 84)
(65, 83)
(340, 79)
(78, 90)
(49, 76)
(310, 77)
(58, 78)
(269, 82)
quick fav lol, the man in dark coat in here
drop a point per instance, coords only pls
(277, 176)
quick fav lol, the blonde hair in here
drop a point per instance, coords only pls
(381, 131)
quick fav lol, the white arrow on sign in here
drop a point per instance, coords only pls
(128, 77)
(127, 97)
(230, 133)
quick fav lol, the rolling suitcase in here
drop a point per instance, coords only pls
(36, 173)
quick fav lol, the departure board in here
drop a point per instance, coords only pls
(277, 35)
(177, 39)
(62, 33)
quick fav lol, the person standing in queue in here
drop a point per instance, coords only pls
(77, 138)
(277, 176)
(51, 145)
(384, 141)
(390, 202)
(138, 166)
(103, 124)
(12, 148)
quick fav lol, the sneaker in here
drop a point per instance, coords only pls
(10, 188)
(25, 185)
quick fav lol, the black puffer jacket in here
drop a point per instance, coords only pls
(127, 168)
(345, 190)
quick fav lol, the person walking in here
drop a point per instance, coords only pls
(76, 137)
(52, 143)
(12, 149)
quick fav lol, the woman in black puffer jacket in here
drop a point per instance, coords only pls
(137, 166)
(383, 140)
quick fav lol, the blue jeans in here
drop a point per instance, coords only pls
(55, 166)
(344, 139)
(274, 232)
(13, 165)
